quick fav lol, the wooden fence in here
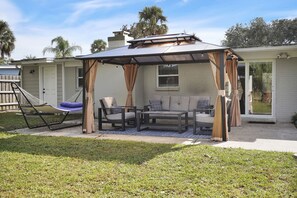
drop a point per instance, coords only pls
(7, 98)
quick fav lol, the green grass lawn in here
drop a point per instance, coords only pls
(261, 107)
(12, 120)
(36, 166)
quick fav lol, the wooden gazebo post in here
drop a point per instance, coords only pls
(89, 77)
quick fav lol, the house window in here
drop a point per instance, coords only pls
(79, 77)
(168, 76)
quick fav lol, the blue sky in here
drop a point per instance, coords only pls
(36, 22)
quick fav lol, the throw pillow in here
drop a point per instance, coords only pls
(156, 105)
(71, 104)
(202, 104)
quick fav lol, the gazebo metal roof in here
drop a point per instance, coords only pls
(164, 49)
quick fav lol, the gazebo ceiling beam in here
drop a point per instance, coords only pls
(192, 56)
(161, 57)
(159, 62)
(133, 58)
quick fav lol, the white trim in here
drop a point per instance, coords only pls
(168, 87)
(252, 117)
(63, 81)
(76, 77)
(41, 83)
(268, 48)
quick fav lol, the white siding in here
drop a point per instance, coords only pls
(286, 89)
(30, 81)
(70, 82)
(194, 79)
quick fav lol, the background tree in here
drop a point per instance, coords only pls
(7, 39)
(151, 22)
(62, 48)
(260, 33)
(30, 57)
(98, 46)
(284, 32)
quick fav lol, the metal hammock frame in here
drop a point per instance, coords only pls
(42, 110)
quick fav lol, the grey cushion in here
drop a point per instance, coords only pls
(118, 116)
(156, 105)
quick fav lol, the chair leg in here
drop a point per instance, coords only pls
(100, 119)
(123, 120)
(194, 122)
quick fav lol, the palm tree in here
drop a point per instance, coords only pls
(30, 57)
(98, 46)
(62, 48)
(7, 39)
(152, 21)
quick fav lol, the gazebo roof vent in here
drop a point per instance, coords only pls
(180, 38)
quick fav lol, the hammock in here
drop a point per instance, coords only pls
(37, 113)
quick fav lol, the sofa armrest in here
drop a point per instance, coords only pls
(146, 107)
(207, 110)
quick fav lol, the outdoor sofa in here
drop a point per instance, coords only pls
(178, 103)
(199, 108)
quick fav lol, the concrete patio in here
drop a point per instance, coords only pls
(280, 137)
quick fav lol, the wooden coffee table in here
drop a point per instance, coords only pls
(180, 116)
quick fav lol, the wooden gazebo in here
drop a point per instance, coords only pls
(167, 49)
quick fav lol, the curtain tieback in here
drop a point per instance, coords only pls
(221, 92)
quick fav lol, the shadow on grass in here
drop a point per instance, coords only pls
(85, 149)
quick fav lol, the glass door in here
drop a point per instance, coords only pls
(259, 92)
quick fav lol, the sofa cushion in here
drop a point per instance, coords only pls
(179, 103)
(204, 118)
(165, 101)
(118, 116)
(156, 105)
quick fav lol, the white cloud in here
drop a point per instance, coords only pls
(86, 7)
(201, 28)
(32, 39)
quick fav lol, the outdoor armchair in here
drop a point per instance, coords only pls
(117, 116)
(204, 118)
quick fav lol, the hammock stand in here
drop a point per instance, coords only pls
(31, 106)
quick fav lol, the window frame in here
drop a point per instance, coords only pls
(158, 87)
(78, 77)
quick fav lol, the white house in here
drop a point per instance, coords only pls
(268, 79)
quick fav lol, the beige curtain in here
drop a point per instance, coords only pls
(89, 77)
(130, 71)
(231, 67)
(217, 131)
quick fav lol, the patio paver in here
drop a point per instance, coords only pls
(268, 137)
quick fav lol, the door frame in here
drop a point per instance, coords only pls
(251, 117)
(41, 82)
